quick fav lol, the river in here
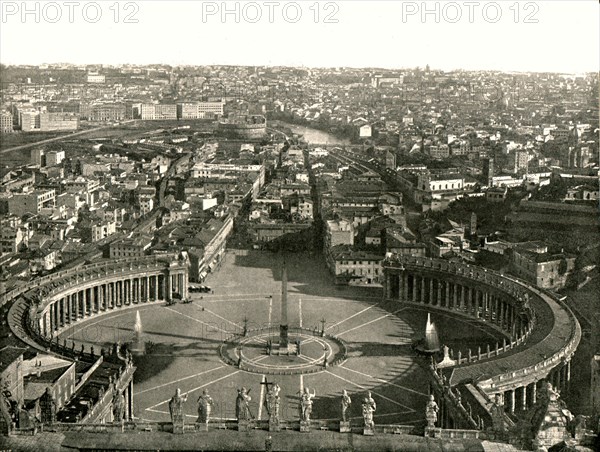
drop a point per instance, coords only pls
(316, 136)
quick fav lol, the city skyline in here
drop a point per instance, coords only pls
(439, 34)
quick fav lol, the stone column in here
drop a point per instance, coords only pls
(463, 298)
(513, 322)
(78, 298)
(109, 303)
(485, 309)
(51, 311)
(92, 300)
(134, 291)
(414, 288)
(559, 378)
(387, 287)
(131, 398)
(47, 324)
(423, 289)
(101, 298)
(403, 289)
(87, 308)
(121, 292)
(495, 308)
(126, 397)
(501, 313)
(438, 301)
(51, 317)
(156, 287)
(511, 395)
(449, 303)
(185, 289)
(524, 398)
(534, 393)
(431, 296)
(62, 311)
(470, 300)
(455, 296)
(168, 287)
(68, 308)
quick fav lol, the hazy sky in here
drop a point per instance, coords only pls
(548, 35)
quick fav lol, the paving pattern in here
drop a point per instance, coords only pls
(183, 342)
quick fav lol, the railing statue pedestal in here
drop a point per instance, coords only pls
(345, 427)
(202, 426)
(244, 426)
(368, 430)
(178, 424)
(274, 426)
(305, 426)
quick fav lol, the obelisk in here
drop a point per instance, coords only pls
(283, 326)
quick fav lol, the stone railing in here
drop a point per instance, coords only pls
(213, 425)
(570, 332)
(38, 282)
(480, 275)
(471, 272)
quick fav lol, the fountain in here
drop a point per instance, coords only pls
(430, 343)
(137, 346)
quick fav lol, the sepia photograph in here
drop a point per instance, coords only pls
(292, 226)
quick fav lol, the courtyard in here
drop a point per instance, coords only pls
(183, 343)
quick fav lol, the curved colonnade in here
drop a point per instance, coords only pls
(59, 301)
(542, 332)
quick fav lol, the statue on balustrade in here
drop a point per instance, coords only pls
(242, 405)
(497, 413)
(205, 404)
(118, 406)
(431, 412)
(346, 402)
(306, 404)
(273, 402)
(368, 408)
(176, 407)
